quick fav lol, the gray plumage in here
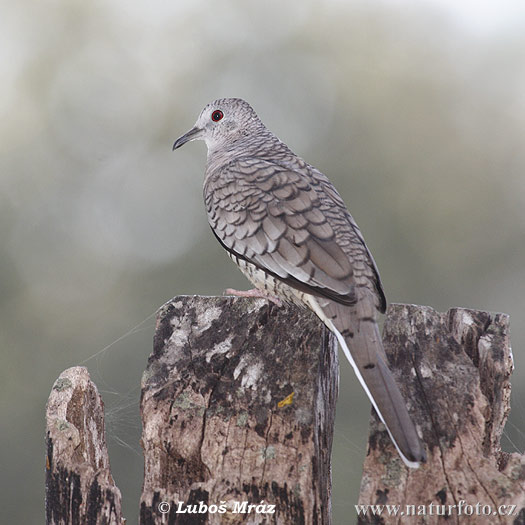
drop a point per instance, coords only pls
(286, 227)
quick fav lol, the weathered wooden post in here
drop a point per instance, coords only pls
(238, 405)
(459, 364)
(79, 486)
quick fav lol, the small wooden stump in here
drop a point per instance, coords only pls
(454, 369)
(79, 486)
(238, 405)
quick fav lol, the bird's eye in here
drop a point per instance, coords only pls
(217, 115)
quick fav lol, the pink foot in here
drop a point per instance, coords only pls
(254, 292)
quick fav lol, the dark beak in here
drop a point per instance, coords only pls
(191, 135)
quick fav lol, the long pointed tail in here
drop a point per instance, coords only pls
(358, 335)
(386, 398)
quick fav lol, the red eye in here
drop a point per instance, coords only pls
(217, 115)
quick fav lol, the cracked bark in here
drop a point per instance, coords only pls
(220, 423)
(454, 370)
(79, 485)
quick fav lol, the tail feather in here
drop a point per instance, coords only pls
(386, 398)
(359, 338)
(358, 335)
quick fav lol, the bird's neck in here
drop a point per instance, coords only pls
(262, 145)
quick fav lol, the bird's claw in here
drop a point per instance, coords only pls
(254, 292)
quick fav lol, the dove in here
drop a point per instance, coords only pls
(288, 230)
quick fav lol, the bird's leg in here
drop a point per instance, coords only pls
(254, 292)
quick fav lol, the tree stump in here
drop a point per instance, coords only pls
(79, 486)
(454, 370)
(238, 405)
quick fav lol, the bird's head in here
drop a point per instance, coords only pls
(222, 122)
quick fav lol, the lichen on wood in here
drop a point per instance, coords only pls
(79, 485)
(454, 370)
(238, 404)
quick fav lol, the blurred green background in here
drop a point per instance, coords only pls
(414, 109)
